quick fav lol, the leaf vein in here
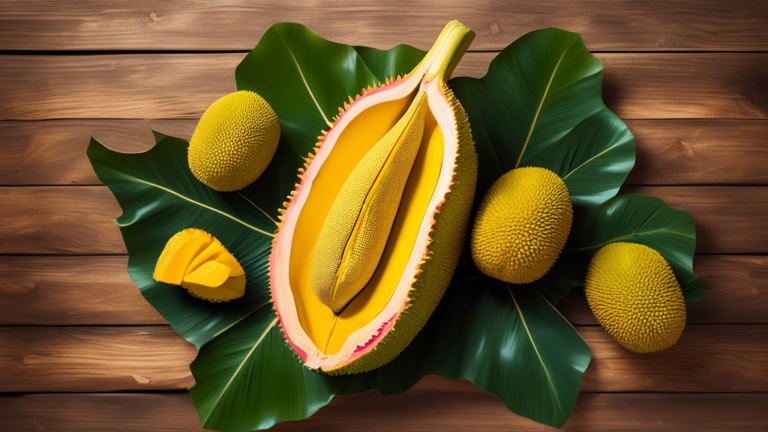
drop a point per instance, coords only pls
(201, 205)
(533, 343)
(306, 85)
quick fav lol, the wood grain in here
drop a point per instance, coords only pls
(669, 152)
(74, 323)
(237, 25)
(434, 403)
(92, 290)
(636, 86)
(60, 290)
(34, 359)
(699, 152)
(708, 358)
(728, 219)
(78, 219)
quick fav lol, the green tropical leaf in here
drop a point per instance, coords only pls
(540, 104)
(159, 197)
(263, 381)
(509, 340)
(640, 219)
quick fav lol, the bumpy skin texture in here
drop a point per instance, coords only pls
(357, 227)
(447, 241)
(234, 141)
(635, 296)
(522, 225)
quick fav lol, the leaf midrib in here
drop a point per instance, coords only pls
(306, 84)
(240, 366)
(619, 238)
(533, 343)
(541, 104)
(172, 192)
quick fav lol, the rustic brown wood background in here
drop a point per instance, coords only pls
(80, 349)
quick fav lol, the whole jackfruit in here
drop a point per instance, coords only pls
(198, 262)
(522, 225)
(234, 141)
(635, 296)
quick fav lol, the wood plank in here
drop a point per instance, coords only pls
(435, 403)
(35, 359)
(699, 152)
(708, 358)
(237, 25)
(669, 152)
(92, 290)
(637, 86)
(729, 219)
(48, 290)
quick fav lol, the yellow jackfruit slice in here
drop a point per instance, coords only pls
(197, 261)
(210, 274)
(210, 253)
(228, 260)
(635, 296)
(234, 141)
(522, 225)
(214, 282)
(177, 255)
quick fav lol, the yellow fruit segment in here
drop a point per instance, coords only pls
(176, 259)
(210, 274)
(197, 261)
(635, 296)
(522, 225)
(209, 253)
(357, 226)
(234, 141)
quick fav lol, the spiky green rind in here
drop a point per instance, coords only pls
(234, 141)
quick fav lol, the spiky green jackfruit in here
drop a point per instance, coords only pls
(234, 141)
(522, 225)
(635, 296)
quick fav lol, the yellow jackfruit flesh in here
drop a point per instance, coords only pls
(372, 234)
(234, 141)
(635, 296)
(198, 262)
(357, 227)
(522, 225)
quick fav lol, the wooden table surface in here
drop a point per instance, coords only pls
(80, 349)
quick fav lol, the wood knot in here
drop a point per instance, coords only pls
(682, 147)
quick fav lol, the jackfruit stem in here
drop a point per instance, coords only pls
(447, 51)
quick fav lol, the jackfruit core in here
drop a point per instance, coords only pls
(327, 329)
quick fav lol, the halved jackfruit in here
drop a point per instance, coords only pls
(373, 232)
(198, 262)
